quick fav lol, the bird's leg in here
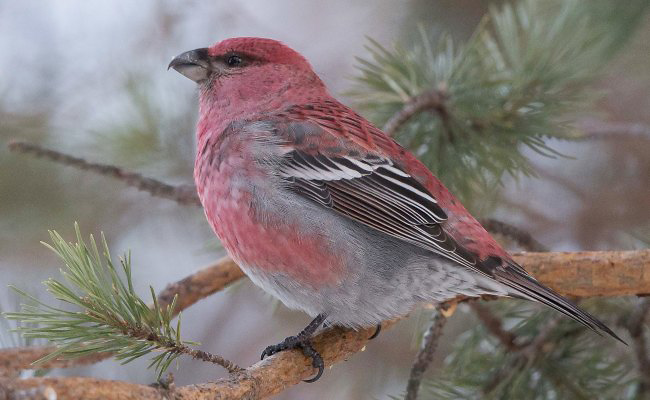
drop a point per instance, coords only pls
(302, 341)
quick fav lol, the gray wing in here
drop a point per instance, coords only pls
(377, 193)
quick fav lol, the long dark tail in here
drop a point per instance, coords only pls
(525, 286)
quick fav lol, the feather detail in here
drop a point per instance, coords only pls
(382, 196)
(376, 193)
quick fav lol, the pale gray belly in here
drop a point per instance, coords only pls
(385, 277)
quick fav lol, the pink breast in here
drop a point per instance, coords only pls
(267, 242)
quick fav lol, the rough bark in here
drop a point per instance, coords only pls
(591, 273)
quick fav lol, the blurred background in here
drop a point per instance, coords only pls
(89, 78)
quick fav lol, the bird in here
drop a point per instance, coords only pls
(326, 212)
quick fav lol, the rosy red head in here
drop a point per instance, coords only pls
(247, 72)
(259, 49)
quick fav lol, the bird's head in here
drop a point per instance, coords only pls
(248, 72)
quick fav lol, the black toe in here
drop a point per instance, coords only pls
(289, 343)
(316, 360)
(307, 349)
(302, 341)
(374, 335)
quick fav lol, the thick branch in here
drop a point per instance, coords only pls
(581, 274)
(190, 290)
(75, 388)
(576, 274)
(591, 273)
(266, 378)
(201, 284)
(185, 194)
(429, 100)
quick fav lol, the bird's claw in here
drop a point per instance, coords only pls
(270, 350)
(316, 360)
(289, 343)
(374, 335)
(293, 342)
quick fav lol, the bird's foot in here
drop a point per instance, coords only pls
(302, 341)
(295, 342)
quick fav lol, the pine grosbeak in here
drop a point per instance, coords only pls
(325, 211)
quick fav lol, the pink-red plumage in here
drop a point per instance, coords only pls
(324, 210)
(342, 122)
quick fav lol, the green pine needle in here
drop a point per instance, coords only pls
(106, 314)
(575, 363)
(524, 73)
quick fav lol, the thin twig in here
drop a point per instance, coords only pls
(636, 325)
(173, 346)
(211, 358)
(523, 239)
(185, 194)
(494, 325)
(603, 130)
(433, 99)
(201, 284)
(425, 356)
(524, 356)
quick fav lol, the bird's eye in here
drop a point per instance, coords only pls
(234, 61)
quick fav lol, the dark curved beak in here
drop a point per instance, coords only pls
(194, 64)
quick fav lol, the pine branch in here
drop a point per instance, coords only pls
(513, 83)
(494, 325)
(603, 130)
(425, 355)
(554, 356)
(201, 284)
(285, 369)
(185, 195)
(591, 273)
(112, 318)
(582, 274)
(266, 378)
(189, 290)
(432, 100)
(519, 236)
(524, 355)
